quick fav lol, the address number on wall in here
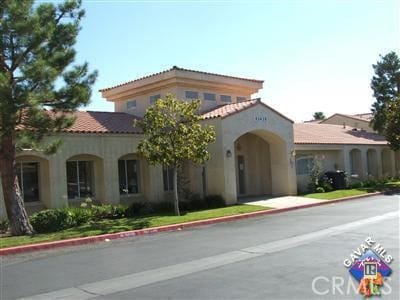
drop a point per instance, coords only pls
(261, 118)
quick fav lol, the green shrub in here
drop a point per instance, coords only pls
(81, 215)
(139, 208)
(215, 201)
(3, 225)
(320, 190)
(185, 206)
(197, 203)
(163, 207)
(52, 220)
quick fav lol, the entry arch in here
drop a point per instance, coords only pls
(386, 156)
(261, 164)
(356, 168)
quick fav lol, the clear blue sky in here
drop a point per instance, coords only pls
(313, 55)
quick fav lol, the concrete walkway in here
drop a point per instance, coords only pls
(280, 202)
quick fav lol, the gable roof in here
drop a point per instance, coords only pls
(359, 117)
(226, 110)
(103, 122)
(306, 133)
(178, 69)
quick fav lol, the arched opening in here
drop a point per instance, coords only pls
(85, 177)
(372, 163)
(261, 164)
(386, 163)
(33, 175)
(356, 163)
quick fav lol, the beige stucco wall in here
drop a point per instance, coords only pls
(267, 125)
(370, 162)
(343, 120)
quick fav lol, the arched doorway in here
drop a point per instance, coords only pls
(356, 163)
(261, 164)
(372, 163)
(386, 163)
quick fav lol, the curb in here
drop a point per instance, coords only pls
(174, 227)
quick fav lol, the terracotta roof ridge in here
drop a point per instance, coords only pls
(178, 69)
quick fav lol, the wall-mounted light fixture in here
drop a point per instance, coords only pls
(228, 153)
(292, 157)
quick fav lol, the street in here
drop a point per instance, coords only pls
(293, 255)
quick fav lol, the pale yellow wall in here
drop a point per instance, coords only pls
(343, 120)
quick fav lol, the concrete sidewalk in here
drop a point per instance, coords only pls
(280, 202)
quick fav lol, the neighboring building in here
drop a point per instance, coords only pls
(359, 121)
(255, 153)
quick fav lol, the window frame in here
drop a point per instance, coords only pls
(21, 180)
(209, 94)
(226, 97)
(131, 104)
(191, 98)
(154, 98)
(308, 166)
(127, 193)
(168, 179)
(78, 181)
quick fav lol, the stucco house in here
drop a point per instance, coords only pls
(257, 150)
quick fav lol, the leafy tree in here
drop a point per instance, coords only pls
(319, 115)
(173, 135)
(386, 109)
(38, 86)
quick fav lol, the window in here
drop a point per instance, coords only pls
(241, 99)
(28, 180)
(304, 165)
(209, 96)
(225, 98)
(168, 177)
(154, 98)
(131, 104)
(128, 171)
(79, 179)
(189, 95)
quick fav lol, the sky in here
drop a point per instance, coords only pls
(312, 55)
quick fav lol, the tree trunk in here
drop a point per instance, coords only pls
(176, 199)
(17, 216)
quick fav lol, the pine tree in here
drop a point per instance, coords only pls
(386, 109)
(39, 87)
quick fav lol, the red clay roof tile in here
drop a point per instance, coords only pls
(334, 134)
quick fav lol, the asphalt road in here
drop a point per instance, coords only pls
(292, 255)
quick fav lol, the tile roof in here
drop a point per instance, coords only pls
(305, 133)
(226, 110)
(363, 117)
(103, 122)
(179, 69)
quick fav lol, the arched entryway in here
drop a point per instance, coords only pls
(356, 163)
(261, 163)
(387, 163)
(372, 163)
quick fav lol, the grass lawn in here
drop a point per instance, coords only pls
(353, 192)
(338, 194)
(112, 226)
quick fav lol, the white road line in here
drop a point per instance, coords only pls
(135, 280)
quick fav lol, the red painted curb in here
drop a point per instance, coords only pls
(131, 233)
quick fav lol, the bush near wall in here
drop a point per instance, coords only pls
(51, 220)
